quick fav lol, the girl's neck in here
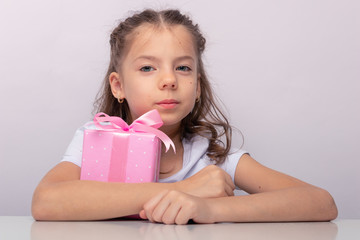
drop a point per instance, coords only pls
(171, 162)
(176, 138)
(173, 132)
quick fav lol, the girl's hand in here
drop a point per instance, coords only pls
(174, 207)
(210, 182)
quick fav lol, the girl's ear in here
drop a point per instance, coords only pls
(116, 85)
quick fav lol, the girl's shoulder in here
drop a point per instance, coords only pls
(73, 152)
(90, 126)
(199, 143)
(197, 146)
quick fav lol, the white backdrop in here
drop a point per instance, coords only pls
(288, 72)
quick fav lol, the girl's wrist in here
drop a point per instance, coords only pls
(179, 186)
(218, 210)
(183, 186)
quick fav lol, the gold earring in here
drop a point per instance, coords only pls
(197, 99)
(120, 100)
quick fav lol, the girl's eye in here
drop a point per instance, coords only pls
(147, 69)
(183, 68)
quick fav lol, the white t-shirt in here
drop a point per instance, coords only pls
(194, 158)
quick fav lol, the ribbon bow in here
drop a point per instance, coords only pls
(148, 123)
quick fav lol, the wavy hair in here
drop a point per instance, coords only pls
(206, 119)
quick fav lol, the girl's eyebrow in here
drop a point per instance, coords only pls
(152, 58)
(185, 58)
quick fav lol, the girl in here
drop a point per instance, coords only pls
(156, 64)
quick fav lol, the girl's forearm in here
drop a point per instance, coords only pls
(61, 196)
(90, 200)
(291, 204)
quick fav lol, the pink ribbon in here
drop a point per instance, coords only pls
(148, 123)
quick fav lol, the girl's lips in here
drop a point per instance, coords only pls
(168, 103)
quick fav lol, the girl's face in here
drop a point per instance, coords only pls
(159, 71)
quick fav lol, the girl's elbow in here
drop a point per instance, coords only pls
(41, 205)
(37, 209)
(333, 210)
(329, 209)
(37, 212)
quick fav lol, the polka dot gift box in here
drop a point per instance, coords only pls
(117, 152)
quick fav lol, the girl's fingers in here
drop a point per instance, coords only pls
(173, 207)
(230, 186)
(142, 214)
(165, 208)
(163, 205)
(171, 213)
(182, 218)
(229, 190)
(150, 205)
(229, 181)
(179, 209)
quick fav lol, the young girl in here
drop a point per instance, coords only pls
(156, 64)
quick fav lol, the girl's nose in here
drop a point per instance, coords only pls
(168, 81)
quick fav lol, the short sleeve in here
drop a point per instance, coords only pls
(230, 164)
(73, 152)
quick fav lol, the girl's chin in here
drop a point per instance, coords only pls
(170, 119)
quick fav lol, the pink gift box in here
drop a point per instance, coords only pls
(117, 152)
(111, 156)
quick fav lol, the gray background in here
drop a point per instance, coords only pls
(287, 71)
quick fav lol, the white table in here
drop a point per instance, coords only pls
(19, 228)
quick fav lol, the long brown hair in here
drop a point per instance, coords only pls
(206, 119)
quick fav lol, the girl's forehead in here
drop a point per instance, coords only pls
(148, 38)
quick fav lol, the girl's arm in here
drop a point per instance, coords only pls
(273, 197)
(62, 196)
